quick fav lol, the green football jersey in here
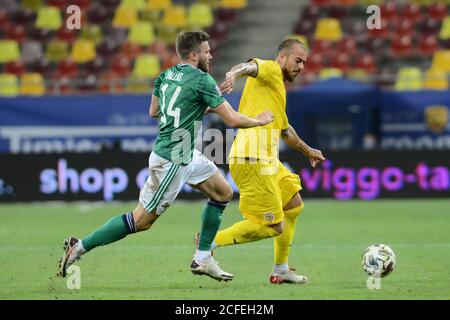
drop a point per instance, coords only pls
(184, 94)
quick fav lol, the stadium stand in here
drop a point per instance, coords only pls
(132, 40)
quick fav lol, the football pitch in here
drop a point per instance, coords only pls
(330, 239)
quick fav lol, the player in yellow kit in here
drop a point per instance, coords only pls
(269, 193)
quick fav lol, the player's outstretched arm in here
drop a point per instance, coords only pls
(235, 119)
(240, 70)
(153, 111)
(295, 142)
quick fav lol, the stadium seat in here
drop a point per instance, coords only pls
(159, 5)
(110, 82)
(94, 66)
(305, 27)
(83, 51)
(367, 63)
(4, 19)
(31, 51)
(348, 45)
(233, 4)
(328, 73)
(169, 60)
(438, 10)
(43, 67)
(10, 5)
(9, 51)
(134, 4)
(131, 50)
(412, 11)
(427, 45)
(341, 61)
(67, 67)
(328, 29)
(444, 34)
(16, 32)
(409, 79)
(337, 11)
(93, 33)
(429, 25)
(119, 35)
(422, 3)
(83, 4)
(15, 67)
(321, 3)
(99, 14)
(388, 10)
(32, 4)
(108, 48)
(404, 27)
(402, 47)
(226, 15)
(211, 3)
(9, 85)
(124, 17)
(121, 65)
(311, 12)
(383, 32)
(142, 33)
(88, 83)
(146, 66)
(218, 31)
(175, 16)
(67, 35)
(315, 63)
(348, 3)
(324, 47)
(436, 80)
(441, 60)
(42, 35)
(168, 34)
(151, 16)
(57, 50)
(49, 18)
(32, 84)
(358, 75)
(61, 84)
(200, 15)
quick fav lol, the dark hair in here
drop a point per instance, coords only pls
(287, 44)
(190, 41)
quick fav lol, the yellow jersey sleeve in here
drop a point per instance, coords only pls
(267, 70)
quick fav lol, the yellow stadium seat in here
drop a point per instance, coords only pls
(49, 18)
(441, 60)
(367, 3)
(142, 33)
(327, 73)
(200, 15)
(92, 32)
(358, 75)
(233, 4)
(57, 50)
(211, 3)
(32, 4)
(32, 84)
(83, 51)
(299, 37)
(9, 51)
(445, 29)
(124, 17)
(134, 4)
(9, 85)
(167, 34)
(436, 80)
(409, 79)
(159, 4)
(152, 16)
(146, 66)
(328, 29)
(175, 16)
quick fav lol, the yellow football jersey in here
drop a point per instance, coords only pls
(265, 92)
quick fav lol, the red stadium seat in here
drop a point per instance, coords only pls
(121, 65)
(324, 47)
(337, 11)
(429, 25)
(412, 11)
(42, 35)
(322, 3)
(341, 61)
(16, 32)
(226, 15)
(110, 82)
(376, 46)
(131, 50)
(94, 66)
(310, 12)
(99, 14)
(401, 47)
(305, 27)
(438, 10)
(367, 63)
(25, 16)
(388, 10)
(67, 35)
(348, 45)
(383, 32)
(218, 31)
(108, 48)
(42, 66)
(68, 68)
(427, 45)
(15, 67)
(404, 27)
(315, 63)
(83, 4)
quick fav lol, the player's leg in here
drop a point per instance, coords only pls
(290, 184)
(259, 203)
(206, 178)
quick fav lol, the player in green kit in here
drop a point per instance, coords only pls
(180, 98)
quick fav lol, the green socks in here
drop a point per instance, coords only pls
(113, 230)
(211, 219)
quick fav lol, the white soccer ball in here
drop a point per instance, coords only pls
(378, 260)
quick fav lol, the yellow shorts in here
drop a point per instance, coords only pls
(265, 188)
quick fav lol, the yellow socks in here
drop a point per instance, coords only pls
(243, 232)
(282, 243)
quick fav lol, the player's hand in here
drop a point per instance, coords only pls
(265, 118)
(315, 157)
(228, 84)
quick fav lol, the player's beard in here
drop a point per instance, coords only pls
(289, 76)
(203, 64)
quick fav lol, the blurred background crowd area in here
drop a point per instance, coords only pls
(123, 44)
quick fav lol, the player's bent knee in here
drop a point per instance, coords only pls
(225, 195)
(278, 228)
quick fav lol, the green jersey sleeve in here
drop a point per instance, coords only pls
(157, 84)
(210, 92)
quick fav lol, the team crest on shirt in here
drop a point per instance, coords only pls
(269, 217)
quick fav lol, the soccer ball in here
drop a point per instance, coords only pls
(378, 260)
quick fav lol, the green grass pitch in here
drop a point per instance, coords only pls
(330, 239)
